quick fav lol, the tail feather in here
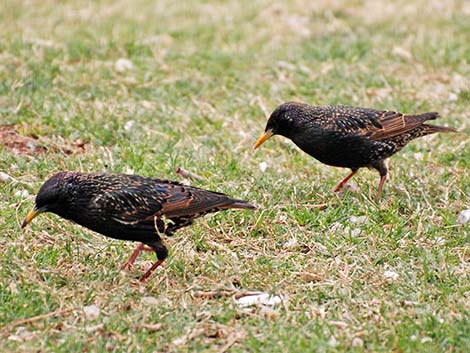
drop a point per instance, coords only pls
(426, 116)
(431, 129)
(241, 205)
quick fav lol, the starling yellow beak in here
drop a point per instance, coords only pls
(30, 216)
(263, 138)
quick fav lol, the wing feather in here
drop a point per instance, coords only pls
(373, 124)
(130, 205)
(192, 201)
(143, 200)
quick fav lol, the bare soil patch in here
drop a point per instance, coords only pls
(19, 144)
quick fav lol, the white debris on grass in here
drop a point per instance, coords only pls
(22, 193)
(358, 219)
(259, 299)
(92, 312)
(21, 335)
(123, 64)
(357, 342)
(263, 166)
(402, 53)
(356, 232)
(333, 342)
(391, 275)
(150, 301)
(94, 328)
(453, 97)
(290, 243)
(129, 125)
(147, 104)
(464, 217)
(4, 177)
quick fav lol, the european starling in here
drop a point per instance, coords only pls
(348, 137)
(129, 207)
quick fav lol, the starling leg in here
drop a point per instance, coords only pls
(345, 180)
(150, 270)
(141, 247)
(381, 185)
(162, 253)
(382, 168)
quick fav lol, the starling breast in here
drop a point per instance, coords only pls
(129, 207)
(349, 137)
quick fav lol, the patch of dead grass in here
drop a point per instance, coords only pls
(33, 144)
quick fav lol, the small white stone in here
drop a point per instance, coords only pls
(150, 301)
(22, 193)
(287, 66)
(464, 217)
(14, 338)
(179, 341)
(452, 97)
(92, 312)
(426, 339)
(402, 53)
(13, 288)
(147, 104)
(21, 335)
(391, 275)
(333, 342)
(259, 299)
(5, 177)
(357, 342)
(94, 328)
(129, 125)
(263, 166)
(355, 232)
(99, 106)
(290, 243)
(123, 64)
(358, 220)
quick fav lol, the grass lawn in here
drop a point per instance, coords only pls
(147, 86)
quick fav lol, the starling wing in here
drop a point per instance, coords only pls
(187, 201)
(380, 124)
(145, 204)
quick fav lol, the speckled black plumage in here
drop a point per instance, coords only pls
(129, 207)
(348, 137)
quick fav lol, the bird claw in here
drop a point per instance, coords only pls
(150, 270)
(141, 247)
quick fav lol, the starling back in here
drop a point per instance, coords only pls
(348, 137)
(129, 207)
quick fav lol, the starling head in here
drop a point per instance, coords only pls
(285, 120)
(54, 196)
